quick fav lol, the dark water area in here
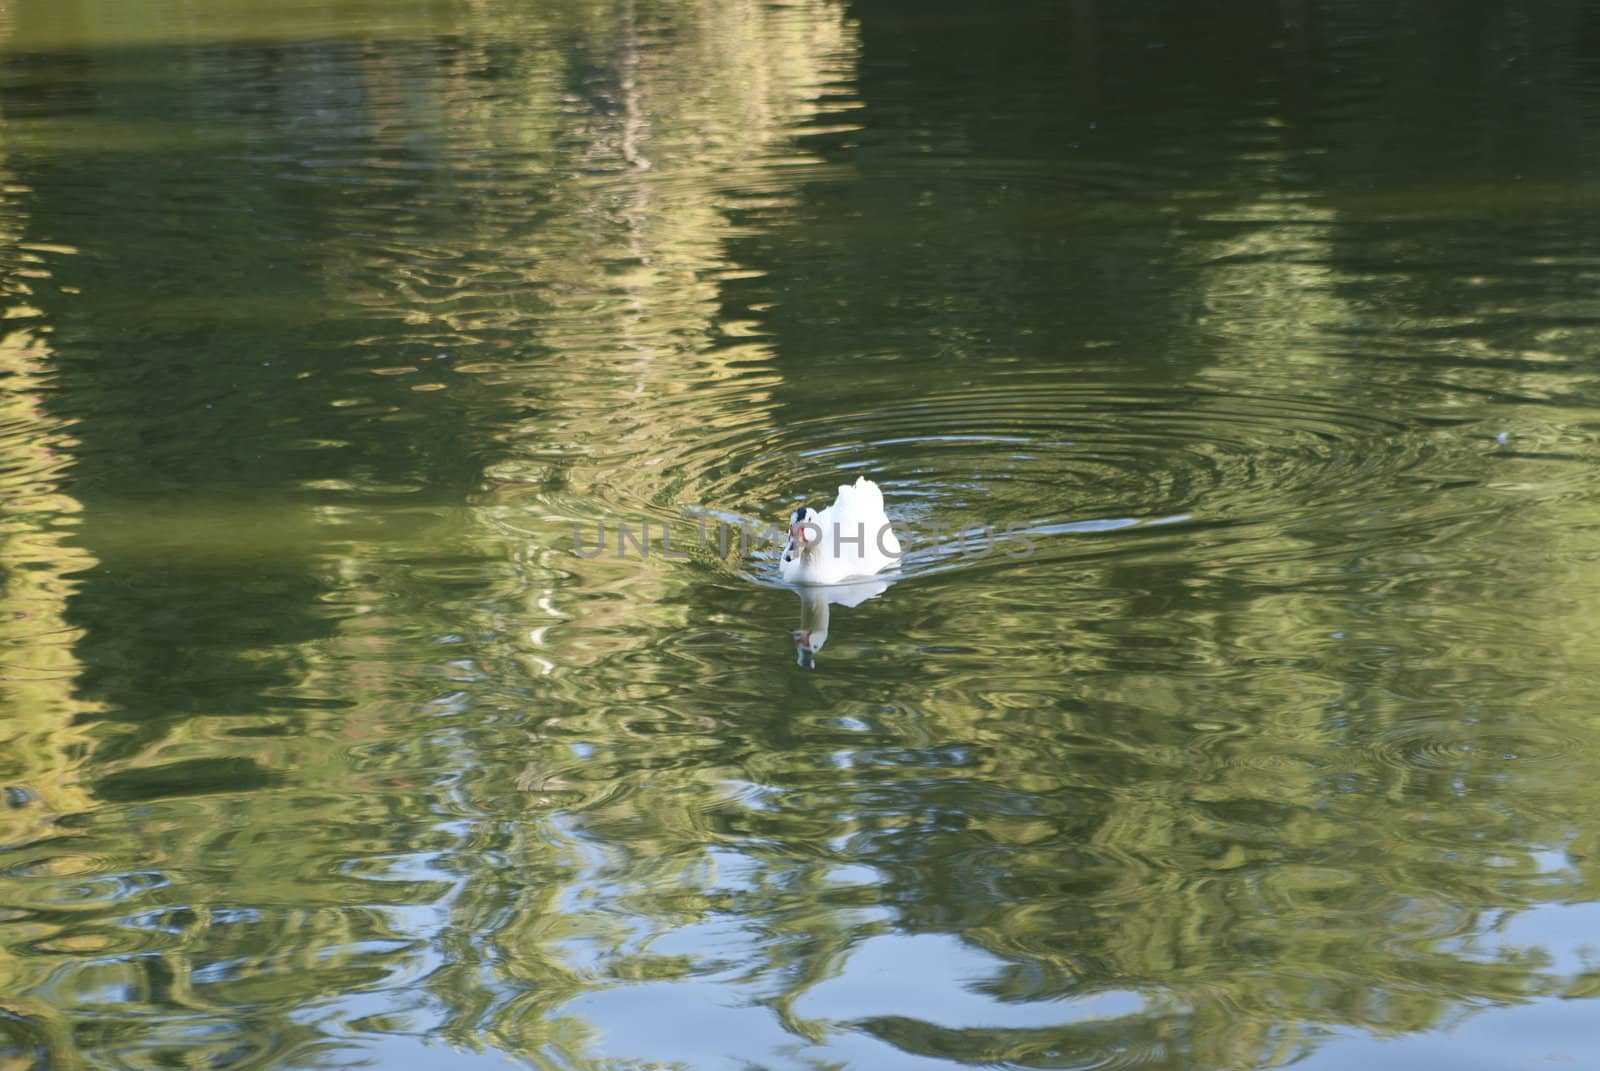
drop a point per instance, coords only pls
(1229, 373)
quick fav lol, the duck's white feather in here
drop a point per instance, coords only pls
(851, 538)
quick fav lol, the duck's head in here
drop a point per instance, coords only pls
(804, 534)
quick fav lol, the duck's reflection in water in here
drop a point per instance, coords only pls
(815, 599)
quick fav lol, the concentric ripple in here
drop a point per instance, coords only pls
(1032, 455)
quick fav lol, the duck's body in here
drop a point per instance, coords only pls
(848, 540)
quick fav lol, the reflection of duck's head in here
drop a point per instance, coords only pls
(815, 601)
(813, 630)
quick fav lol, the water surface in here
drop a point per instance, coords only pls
(333, 332)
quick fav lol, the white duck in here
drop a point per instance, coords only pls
(848, 540)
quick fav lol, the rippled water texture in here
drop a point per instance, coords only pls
(1230, 373)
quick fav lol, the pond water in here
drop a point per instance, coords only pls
(336, 333)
